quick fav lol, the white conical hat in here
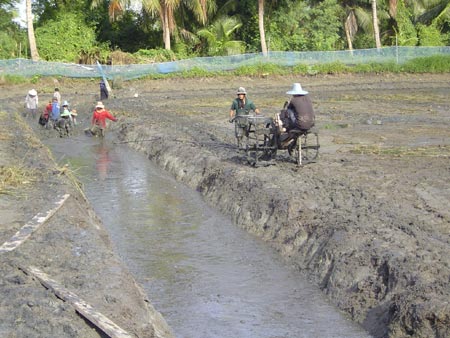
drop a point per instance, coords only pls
(297, 90)
(32, 92)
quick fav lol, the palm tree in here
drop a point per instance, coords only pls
(356, 18)
(219, 36)
(166, 9)
(376, 29)
(358, 15)
(428, 11)
(31, 38)
(262, 33)
(115, 7)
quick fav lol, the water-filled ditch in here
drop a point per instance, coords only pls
(206, 276)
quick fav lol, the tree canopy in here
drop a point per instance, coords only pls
(81, 30)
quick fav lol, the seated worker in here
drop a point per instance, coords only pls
(241, 106)
(299, 112)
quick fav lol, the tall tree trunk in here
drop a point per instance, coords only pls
(31, 38)
(262, 34)
(349, 39)
(165, 27)
(351, 28)
(376, 29)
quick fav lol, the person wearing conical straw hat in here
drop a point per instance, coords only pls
(64, 123)
(98, 121)
(300, 109)
(31, 102)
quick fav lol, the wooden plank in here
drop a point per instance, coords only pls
(83, 308)
(25, 232)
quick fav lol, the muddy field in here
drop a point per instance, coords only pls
(368, 221)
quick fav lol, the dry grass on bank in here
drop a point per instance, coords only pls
(12, 177)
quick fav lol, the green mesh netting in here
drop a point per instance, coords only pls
(28, 68)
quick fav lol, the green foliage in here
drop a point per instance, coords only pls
(324, 26)
(300, 27)
(92, 54)
(285, 30)
(364, 41)
(387, 67)
(8, 46)
(219, 37)
(261, 70)
(331, 68)
(431, 64)
(12, 79)
(197, 72)
(301, 69)
(12, 38)
(155, 55)
(35, 79)
(406, 35)
(430, 36)
(65, 39)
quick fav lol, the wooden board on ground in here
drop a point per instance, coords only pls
(25, 232)
(83, 308)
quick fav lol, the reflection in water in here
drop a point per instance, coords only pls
(103, 160)
(207, 277)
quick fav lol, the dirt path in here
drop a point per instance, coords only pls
(369, 221)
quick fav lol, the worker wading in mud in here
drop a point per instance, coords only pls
(98, 121)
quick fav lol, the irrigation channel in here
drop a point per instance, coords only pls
(206, 276)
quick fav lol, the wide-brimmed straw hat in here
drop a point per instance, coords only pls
(241, 90)
(99, 105)
(32, 92)
(297, 90)
(65, 103)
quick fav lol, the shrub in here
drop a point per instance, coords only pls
(154, 55)
(65, 38)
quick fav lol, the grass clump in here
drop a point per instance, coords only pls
(12, 79)
(430, 151)
(261, 70)
(14, 177)
(431, 64)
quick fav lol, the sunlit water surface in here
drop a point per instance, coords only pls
(206, 276)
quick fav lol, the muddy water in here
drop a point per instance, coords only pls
(206, 276)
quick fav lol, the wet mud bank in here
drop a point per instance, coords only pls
(59, 277)
(368, 222)
(370, 228)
